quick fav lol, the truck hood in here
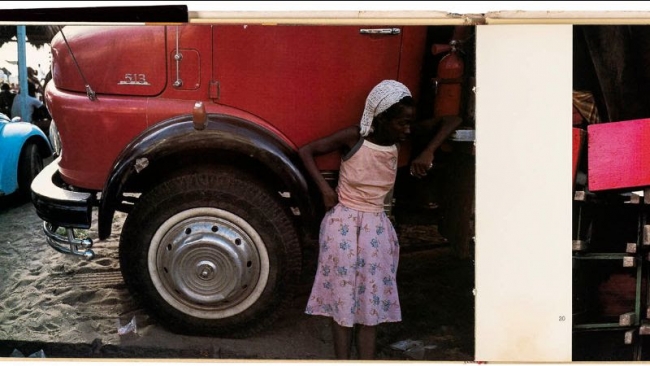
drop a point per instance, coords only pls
(109, 63)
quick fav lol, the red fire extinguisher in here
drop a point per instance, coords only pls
(448, 83)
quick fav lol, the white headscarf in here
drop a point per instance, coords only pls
(381, 97)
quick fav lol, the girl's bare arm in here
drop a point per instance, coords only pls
(338, 141)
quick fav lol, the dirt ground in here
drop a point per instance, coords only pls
(67, 307)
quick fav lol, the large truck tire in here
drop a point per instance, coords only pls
(212, 253)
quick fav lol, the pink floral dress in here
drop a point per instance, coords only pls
(359, 253)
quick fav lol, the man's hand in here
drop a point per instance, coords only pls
(422, 164)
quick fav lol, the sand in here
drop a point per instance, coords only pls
(48, 295)
(59, 300)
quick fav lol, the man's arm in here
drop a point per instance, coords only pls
(424, 161)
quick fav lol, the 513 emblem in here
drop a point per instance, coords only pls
(134, 79)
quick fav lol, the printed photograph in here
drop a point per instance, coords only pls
(298, 192)
(611, 124)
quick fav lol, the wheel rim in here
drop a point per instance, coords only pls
(208, 263)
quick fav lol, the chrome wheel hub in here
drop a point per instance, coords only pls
(208, 262)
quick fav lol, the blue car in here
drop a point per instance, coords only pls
(23, 146)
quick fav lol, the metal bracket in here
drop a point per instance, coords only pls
(580, 196)
(629, 262)
(579, 245)
(646, 234)
(644, 329)
(386, 31)
(627, 319)
(215, 90)
(631, 248)
(178, 57)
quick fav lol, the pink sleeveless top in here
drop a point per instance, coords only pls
(367, 175)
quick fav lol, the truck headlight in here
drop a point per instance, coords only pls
(55, 139)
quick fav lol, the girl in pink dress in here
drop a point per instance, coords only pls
(355, 283)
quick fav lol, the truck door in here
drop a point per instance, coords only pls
(307, 81)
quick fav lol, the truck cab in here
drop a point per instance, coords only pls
(193, 130)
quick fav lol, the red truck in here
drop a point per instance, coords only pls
(193, 131)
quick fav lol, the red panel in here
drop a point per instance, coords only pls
(117, 60)
(93, 132)
(195, 66)
(578, 142)
(189, 69)
(307, 81)
(619, 155)
(302, 82)
(411, 56)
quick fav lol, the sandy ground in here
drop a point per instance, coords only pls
(47, 294)
(70, 307)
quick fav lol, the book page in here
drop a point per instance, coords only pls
(523, 203)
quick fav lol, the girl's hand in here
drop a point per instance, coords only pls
(422, 164)
(330, 199)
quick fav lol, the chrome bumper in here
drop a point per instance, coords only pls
(68, 244)
(62, 208)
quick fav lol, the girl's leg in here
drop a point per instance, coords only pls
(366, 336)
(342, 340)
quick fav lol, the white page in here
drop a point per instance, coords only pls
(523, 202)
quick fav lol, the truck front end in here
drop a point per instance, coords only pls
(97, 99)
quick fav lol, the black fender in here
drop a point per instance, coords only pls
(177, 136)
